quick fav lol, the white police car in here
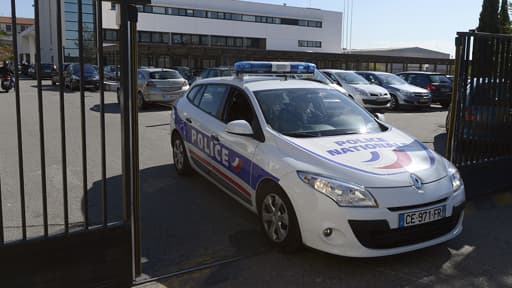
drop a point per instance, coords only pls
(317, 168)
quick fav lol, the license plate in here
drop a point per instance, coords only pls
(423, 100)
(5, 83)
(421, 216)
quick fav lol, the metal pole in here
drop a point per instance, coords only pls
(101, 64)
(62, 118)
(133, 14)
(41, 119)
(18, 124)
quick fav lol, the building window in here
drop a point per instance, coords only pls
(153, 37)
(159, 10)
(110, 35)
(8, 28)
(112, 6)
(310, 44)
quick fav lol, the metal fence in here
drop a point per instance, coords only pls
(106, 245)
(481, 126)
(480, 118)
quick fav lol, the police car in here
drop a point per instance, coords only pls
(316, 168)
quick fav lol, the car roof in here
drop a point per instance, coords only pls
(421, 72)
(257, 83)
(156, 69)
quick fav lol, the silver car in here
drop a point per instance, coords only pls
(371, 97)
(159, 85)
(402, 93)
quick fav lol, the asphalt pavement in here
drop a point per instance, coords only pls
(189, 223)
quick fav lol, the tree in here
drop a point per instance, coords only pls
(6, 53)
(504, 18)
(488, 21)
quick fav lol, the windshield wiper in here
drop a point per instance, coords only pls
(302, 134)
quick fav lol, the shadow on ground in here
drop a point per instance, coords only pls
(186, 222)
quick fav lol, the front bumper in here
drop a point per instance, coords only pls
(370, 232)
(376, 102)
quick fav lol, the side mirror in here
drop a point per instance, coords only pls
(239, 127)
(380, 117)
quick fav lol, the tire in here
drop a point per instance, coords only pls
(141, 103)
(180, 157)
(54, 83)
(118, 94)
(445, 104)
(278, 219)
(393, 104)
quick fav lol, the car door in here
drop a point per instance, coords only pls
(205, 124)
(242, 148)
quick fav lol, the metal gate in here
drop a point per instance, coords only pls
(480, 126)
(47, 237)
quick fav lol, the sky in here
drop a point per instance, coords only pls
(430, 24)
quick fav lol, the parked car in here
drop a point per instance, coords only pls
(158, 85)
(47, 71)
(112, 72)
(72, 77)
(184, 71)
(439, 86)
(402, 93)
(214, 72)
(372, 97)
(316, 168)
(56, 76)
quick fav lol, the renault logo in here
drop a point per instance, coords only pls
(416, 182)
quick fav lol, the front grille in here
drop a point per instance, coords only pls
(426, 95)
(375, 102)
(411, 207)
(376, 234)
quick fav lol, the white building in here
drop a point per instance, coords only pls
(228, 22)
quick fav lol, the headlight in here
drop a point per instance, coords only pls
(405, 93)
(343, 194)
(362, 92)
(454, 175)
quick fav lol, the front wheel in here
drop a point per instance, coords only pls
(180, 157)
(278, 219)
(393, 104)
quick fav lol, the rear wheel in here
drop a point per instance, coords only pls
(278, 218)
(140, 100)
(445, 103)
(180, 157)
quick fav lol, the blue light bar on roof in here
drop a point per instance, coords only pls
(260, 67)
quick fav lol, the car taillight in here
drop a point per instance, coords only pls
(431, 87)
(151, 84)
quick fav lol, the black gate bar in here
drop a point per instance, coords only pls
(41, 119)
(82, 112)
(18, 123)
(62, 119)
(101, 64)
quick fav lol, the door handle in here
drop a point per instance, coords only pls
(188, 120)
(215, 138)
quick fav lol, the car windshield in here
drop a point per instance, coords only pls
(390, 79)
(164, 75)
(88, 69)
(314, 112)
(439, 79)
(351, 78)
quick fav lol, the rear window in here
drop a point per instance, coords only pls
(164, 75)
(439, 79)
(88, 69)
